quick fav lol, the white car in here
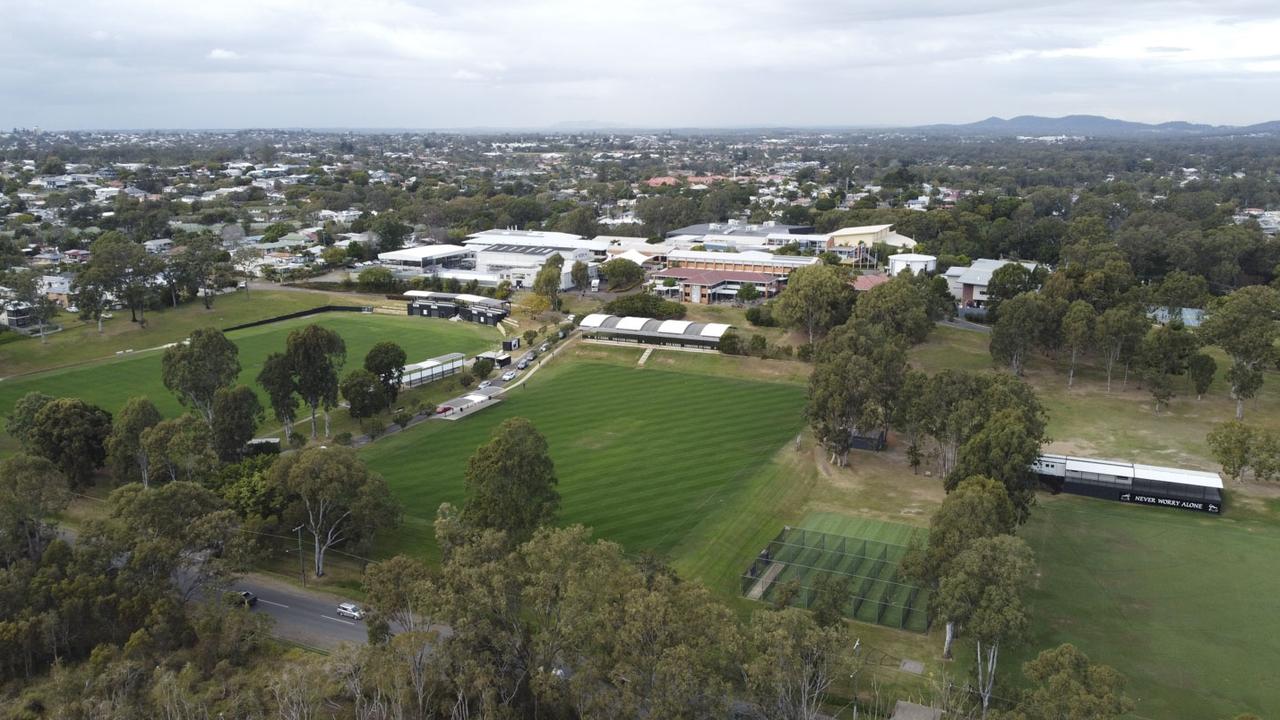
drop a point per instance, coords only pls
(483, 384)
(508, 376)
(350, 610)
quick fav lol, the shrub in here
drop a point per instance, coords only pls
(482, 368)
(805, 352)
(645, 305)
(466, 379)
(758, 345)
(342, 438)
(402, 419)
(731, 343)
(376, 427)
(761, 316)
(376, 279)
(297, 440)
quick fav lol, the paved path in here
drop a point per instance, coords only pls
(645, 356)
(962, 324)
(765, 581)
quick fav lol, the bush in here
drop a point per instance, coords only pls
(645, 305)
(622, 273)
(342, 438)
(731, 343)
(781, 351)
(377, 279)
(297, 440)
(466, 379)
(805, 352)
(761, 316)
(376, 427)
(482, 368)
(758, 346)
(402, 419)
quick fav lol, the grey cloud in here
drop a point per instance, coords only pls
(148, 63)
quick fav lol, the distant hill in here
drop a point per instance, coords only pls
(1092, 125)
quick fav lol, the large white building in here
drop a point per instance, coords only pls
(519, 264)
(428, 258)
(866, 237)
(539, 238)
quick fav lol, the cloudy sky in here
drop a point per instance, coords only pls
(638, 63)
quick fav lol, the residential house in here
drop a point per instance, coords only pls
(968, 285)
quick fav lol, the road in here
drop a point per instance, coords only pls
(305, 617)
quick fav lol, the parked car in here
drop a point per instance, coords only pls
(350, 610)
(483, 384)
(242, 597)
(443, 409)
(543, 347)
(508, 376)
(522, 364)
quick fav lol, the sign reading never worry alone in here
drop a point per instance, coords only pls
(1144, 499)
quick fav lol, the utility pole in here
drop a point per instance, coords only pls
(302, 565)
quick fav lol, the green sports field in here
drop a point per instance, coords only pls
(110, 383)
(1184, 605)
(642, 455)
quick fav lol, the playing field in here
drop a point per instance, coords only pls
(642, 455)
(860, 555)
(1185, 606)
(110, 383)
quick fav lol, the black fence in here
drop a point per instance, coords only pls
(799, 564)
(299, 314)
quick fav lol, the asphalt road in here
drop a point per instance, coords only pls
(302, 616)
(305, 617)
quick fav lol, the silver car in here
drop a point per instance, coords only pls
(350, 610)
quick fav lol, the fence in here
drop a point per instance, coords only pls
(799, 565)
(300, 313)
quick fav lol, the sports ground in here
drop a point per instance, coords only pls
(110, 383)
(642, 455)
(695, 457)
(1185, 606)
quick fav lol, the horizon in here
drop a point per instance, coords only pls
(575, 126)
(665, 64)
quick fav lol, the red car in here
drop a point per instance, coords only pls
(443, 409)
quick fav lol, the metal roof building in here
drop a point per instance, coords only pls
(1132, 482)
(427, 256)
(648, 330)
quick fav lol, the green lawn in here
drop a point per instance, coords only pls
(80, 342)
(1184, 605)
(110, 383)
(1088, 420)
(642, 455)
